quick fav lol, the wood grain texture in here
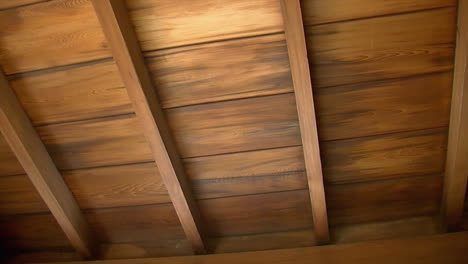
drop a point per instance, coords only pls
(381, 48)
(32, 232)
(96, 143)
(383, 200)
(447, 248)
(86, 92)
(219, 176)
(17, 3)
(9, 164)
(127, 55)
(382, 107)
(220, 71)
(294, 31)
(404, 228)
(234, 126)
(318, 12)
(50, 34)
(162, 24)
(32, 154)
(456, 173)
(387, 156)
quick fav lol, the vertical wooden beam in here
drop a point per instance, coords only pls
(295, 38)
(33, 156)
(127, 54)
(456, 171)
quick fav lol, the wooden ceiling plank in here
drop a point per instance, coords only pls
(33, 156)
(456, 172)
(122, 40)
(295, 38)
(447, 248)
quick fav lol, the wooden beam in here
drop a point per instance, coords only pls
(299, 63)
(32, 154)
(446, 248)
(456, 172)
(127, 54)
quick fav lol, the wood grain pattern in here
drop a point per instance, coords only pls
(318, 12)
(384, 200)
(162, 24)
(50, 34)
(382, 157)
(96, 143)
(219, 71)
(211, 177)
(17, 3)
(32, 154)
(76, 94)
(404, 228)
(294, 31)
(456, 172)
(381, 48)
(9, 164)
(127, 55)
(447, 248)
(234, 126)
(381, 107)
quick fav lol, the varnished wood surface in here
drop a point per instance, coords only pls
(18, 3)
(447, 248)
(297, 51)
(9, 164)
(381, 48)
(319, 12)
(113, 15)
(456, 173)
(32, 154)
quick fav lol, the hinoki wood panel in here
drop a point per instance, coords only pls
(387, 156)
(382, 107)
(382, 48)
(162, 24)
(384, 200)
(218, 71)
(318, 12)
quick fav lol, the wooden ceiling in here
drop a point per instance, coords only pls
(231, 87)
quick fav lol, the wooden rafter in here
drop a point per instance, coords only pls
(297, 50)
(127, 54)
(456, 172)
(33, 156)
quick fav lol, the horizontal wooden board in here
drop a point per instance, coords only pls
(404, 228)
(84, 144)
(43, 256)
(80, 93)
(386, 156)
(218, 176)
(17, 3)
(317, 12)
(383, 200)
(381, 48)
(31, 39)
(383, 107)
(18, 196)
(219, 71)
(50, 34)
(161, 24)
(34, 231)
(233, 126)
(9, 164)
